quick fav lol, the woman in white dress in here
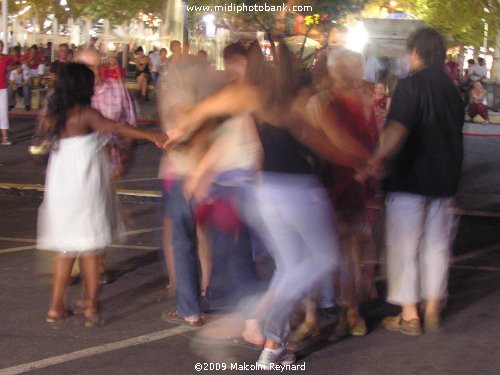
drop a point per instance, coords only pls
(79, 215)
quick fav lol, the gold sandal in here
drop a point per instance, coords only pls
(94, 320)
(305, 331)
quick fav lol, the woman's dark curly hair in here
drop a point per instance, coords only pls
(74, 86)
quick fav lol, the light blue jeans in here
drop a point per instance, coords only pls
(301, 236)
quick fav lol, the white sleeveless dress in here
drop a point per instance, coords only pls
(79, 211)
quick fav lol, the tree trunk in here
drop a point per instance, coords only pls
(304, 44)
(273, 47)
(461, 59)
(495, 70)
(476, 52)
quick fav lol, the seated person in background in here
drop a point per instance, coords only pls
(16, 54)
(154, 62)
(62, 58)
(479, 71)
(203, 54)
(142, 72)
(452, 69)
(382, 103)
(19, 82)
(477, 104)
(163, 63)
(34, 62)
(112, 69)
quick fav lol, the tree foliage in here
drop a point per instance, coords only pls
(117, 11)
(272, 22)
(461, 20)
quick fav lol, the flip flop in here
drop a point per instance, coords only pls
(172, 317)
(59, 319)
(239, 341)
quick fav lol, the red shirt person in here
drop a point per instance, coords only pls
(5, 63)
(33, 60)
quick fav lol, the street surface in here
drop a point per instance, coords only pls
(136, 341)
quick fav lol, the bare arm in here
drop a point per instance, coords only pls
(391, 141)
(317, 141)
(99, 123)
(201, 177)
(230, 101)
(337, 135)
(388, 106)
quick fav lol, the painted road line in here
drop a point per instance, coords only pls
(461, 212)
(475, 254)
(96, 350)
(138, 179)
(33, 247)
(135, 247)
(140, 231)
(140, 193)
(477, 268)
(15, 249)
(28, 240)
(158, 194)
(39, 187)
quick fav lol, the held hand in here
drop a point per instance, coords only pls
(159, 139)
(376, 168)
(175, 136)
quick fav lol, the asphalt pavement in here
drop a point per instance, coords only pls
(136, 341)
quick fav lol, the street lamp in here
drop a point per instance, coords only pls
(209, 25)
(357, 37)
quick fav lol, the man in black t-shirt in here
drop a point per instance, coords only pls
(62, 58)
(422, 143)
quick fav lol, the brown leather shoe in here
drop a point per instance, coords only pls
(407, 327)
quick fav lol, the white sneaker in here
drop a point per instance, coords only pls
(279, 356)
(6, 143)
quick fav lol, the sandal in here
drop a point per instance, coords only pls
(93, 320)
(57, 319)
(80, 306)
(256, 342)
(305, 331)
(239, 341)
(358, 328)
(172, 317)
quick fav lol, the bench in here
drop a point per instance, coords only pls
(37, 96)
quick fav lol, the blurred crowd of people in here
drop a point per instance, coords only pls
(268, 164)
(470, 81)
(23, 70)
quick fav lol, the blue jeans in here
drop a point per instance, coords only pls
(302, 238)
(154, 78)
(24, 91)
(184, 244)
(233, 273)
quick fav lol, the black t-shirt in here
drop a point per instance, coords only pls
(54, 66)
(431, 108)
(283, 153)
